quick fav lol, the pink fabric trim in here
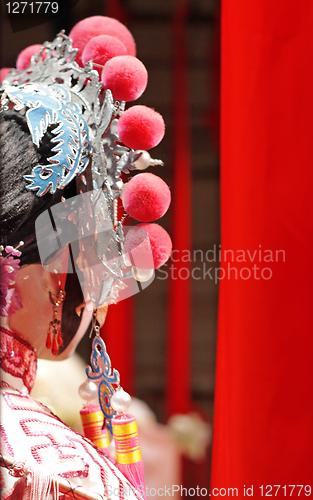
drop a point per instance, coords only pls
(25, 403)
(6, 448)
(17, 357)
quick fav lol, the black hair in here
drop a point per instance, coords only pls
(20, 207)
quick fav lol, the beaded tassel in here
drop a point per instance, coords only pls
(94, 426)
(123, 426)
(128, 452)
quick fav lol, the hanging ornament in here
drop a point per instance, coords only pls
(54, 336)
(101, 372)
(114, 403)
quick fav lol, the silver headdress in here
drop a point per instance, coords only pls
(55, 93)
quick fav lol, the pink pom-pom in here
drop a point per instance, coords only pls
(126, 77)
(146, 197)
(24, 57)
(94, 26)
(141, 127)
(138, 249)
(146, 239)
(102, 48)
(3, 73)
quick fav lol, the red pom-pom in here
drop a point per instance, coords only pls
(126, 77)
(141, 127)
(102, 48)
(139, 251)
(146, 197)
(3, 73)
(137, 247)
(93, 26)
(24, 57)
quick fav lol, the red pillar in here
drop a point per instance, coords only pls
(178, 383)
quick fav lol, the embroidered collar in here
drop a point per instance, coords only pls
(17, 357)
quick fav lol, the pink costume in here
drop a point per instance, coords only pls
(60, 139)
(32, 434)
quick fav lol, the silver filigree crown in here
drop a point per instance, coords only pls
(54, 89)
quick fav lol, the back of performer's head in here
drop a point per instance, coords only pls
(20, 207)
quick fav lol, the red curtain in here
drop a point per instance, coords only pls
(178, 384)
(263, 432)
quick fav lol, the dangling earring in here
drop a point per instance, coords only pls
(54, 329)
(114, 403)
